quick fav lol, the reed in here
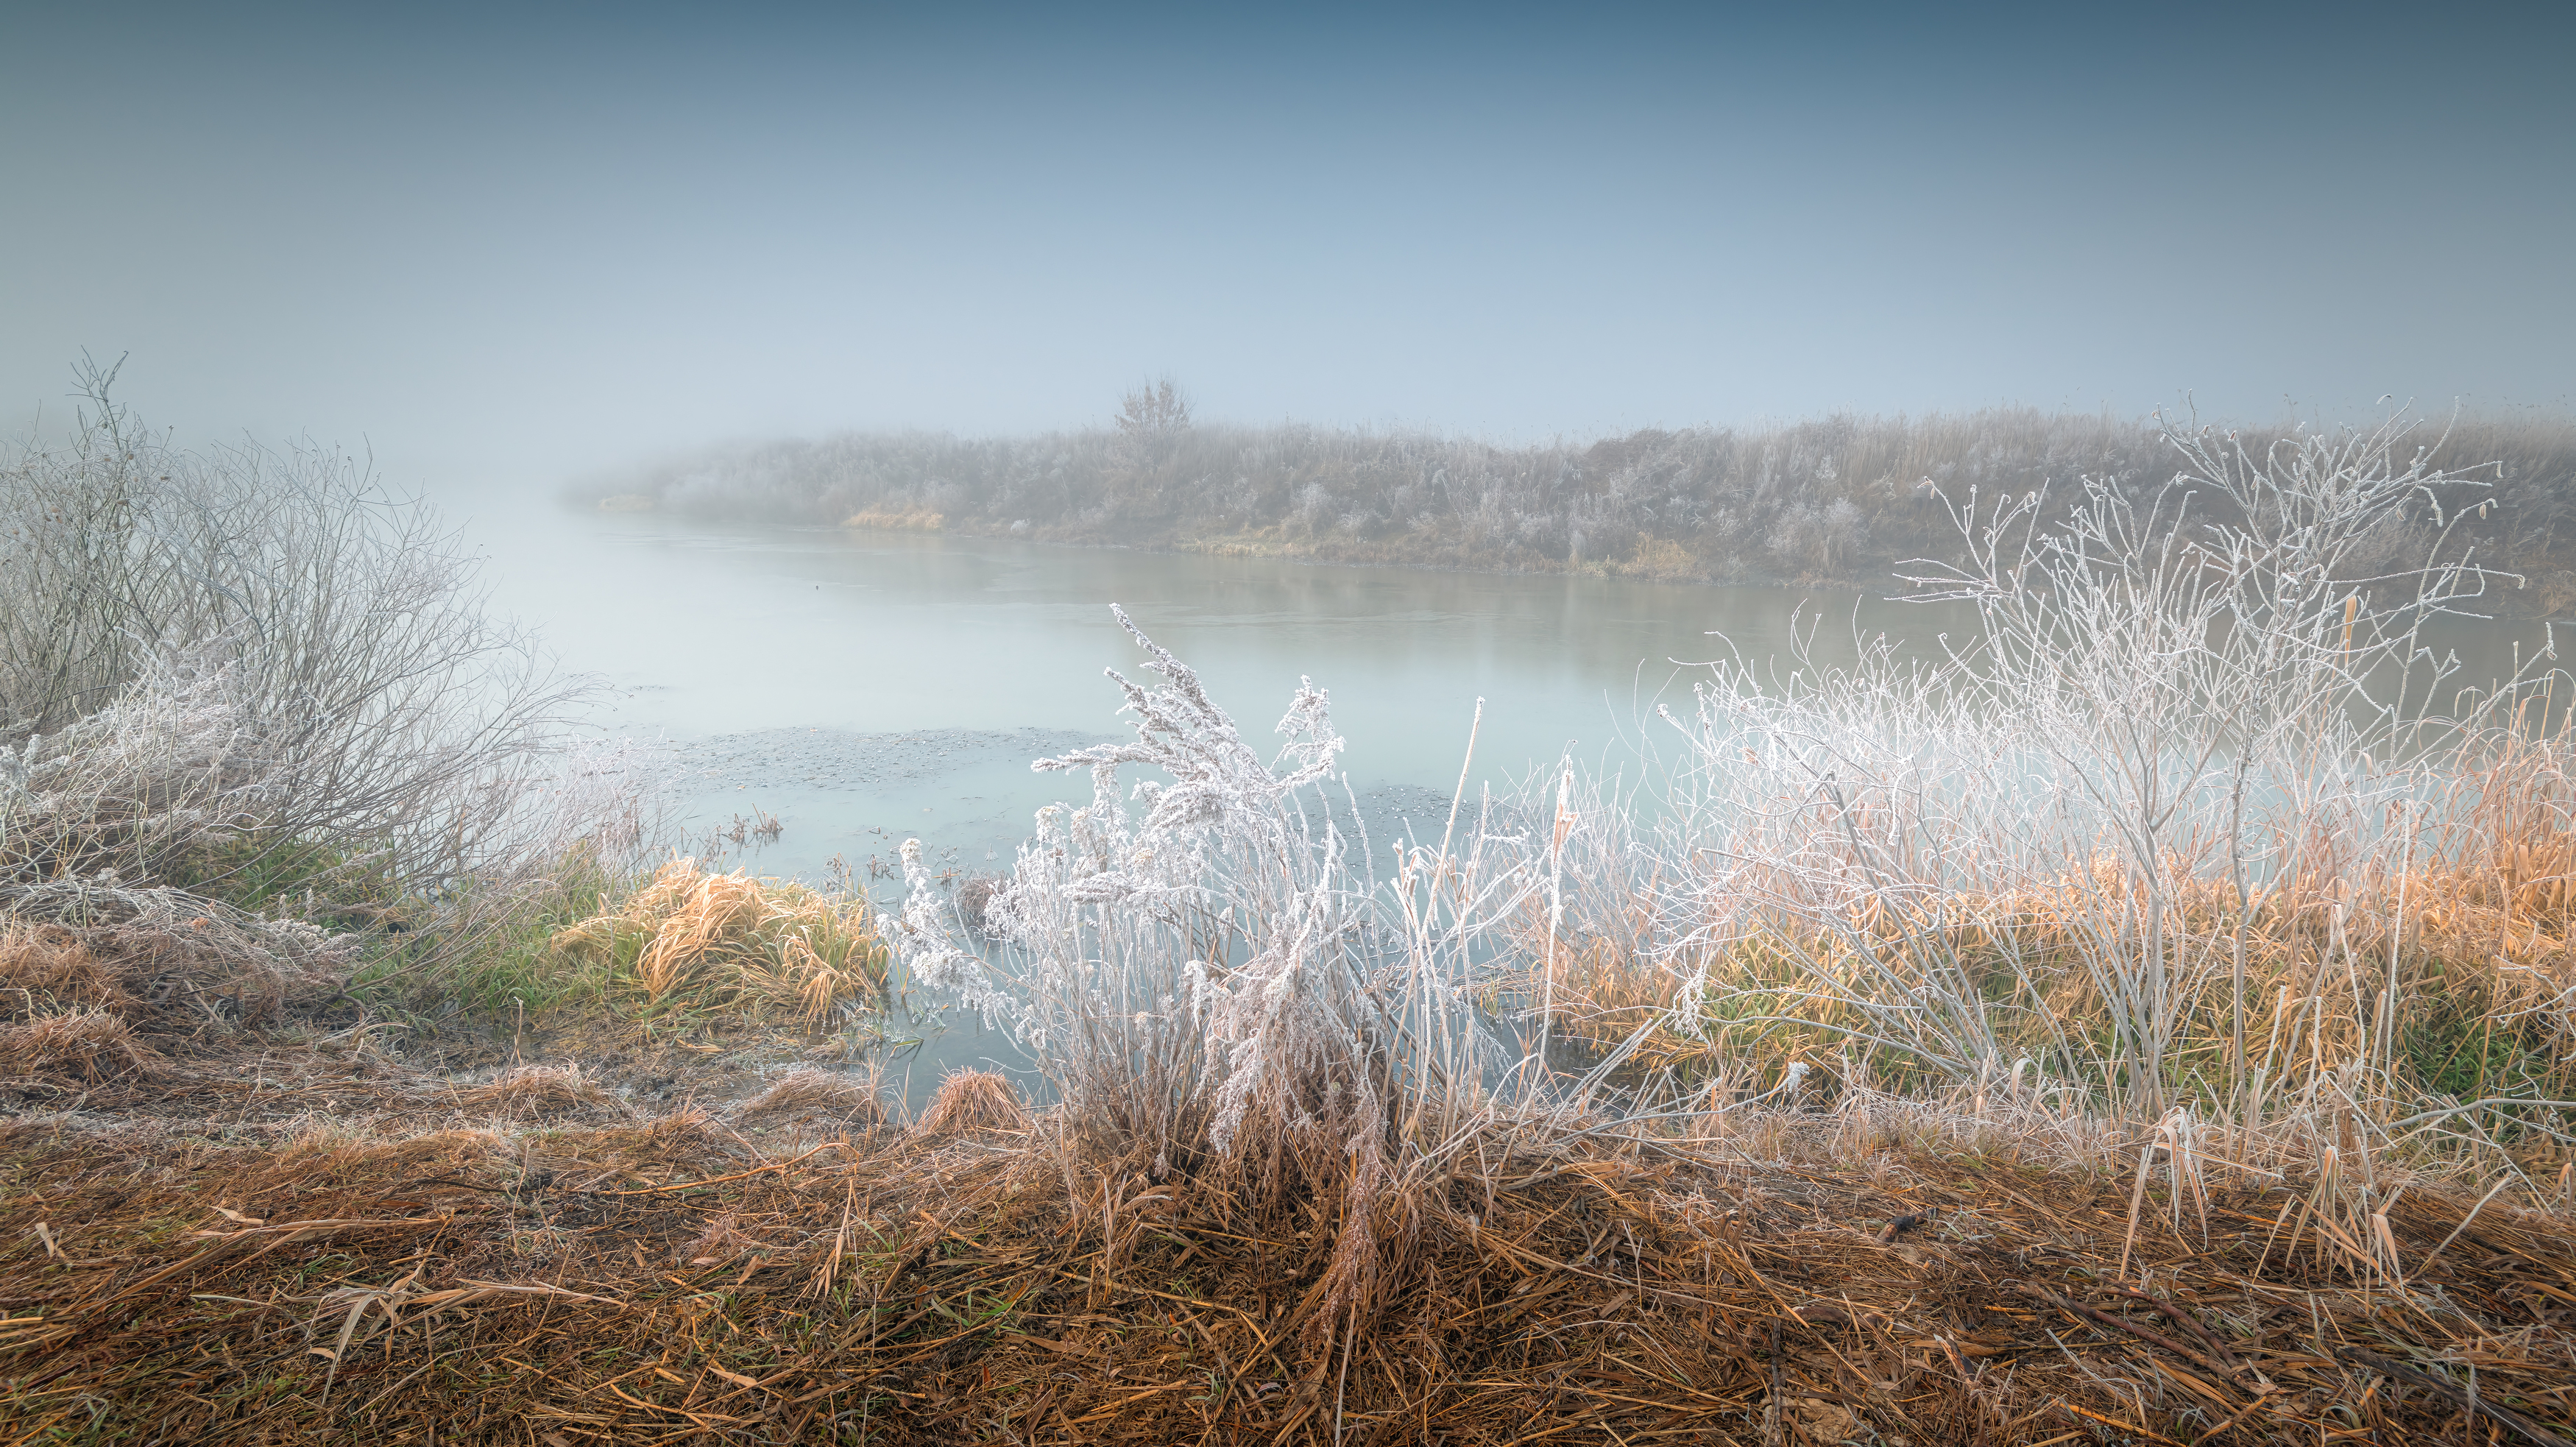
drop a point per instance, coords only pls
(974, 1100)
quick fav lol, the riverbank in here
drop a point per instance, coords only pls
(312, 1240)
(2073, 1037)
(1843, 501)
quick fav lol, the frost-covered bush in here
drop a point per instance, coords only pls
(1188, 952)
(1210, 975)
(268, 666)
(165, 771)
(2126, 833)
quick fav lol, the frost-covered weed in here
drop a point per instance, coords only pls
(1198, 961)
(2167, 800)
(168, 768)
(1187, 950)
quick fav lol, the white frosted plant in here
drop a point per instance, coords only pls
(1189, 950)
(2178, 703)
(1197, 978)
(929, 953)
(170, 766)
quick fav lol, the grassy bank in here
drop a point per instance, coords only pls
(1783, 1279)
(1839, 499)
(2147, 1023)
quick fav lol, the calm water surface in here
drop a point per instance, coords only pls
(867, 686)
(864, 686)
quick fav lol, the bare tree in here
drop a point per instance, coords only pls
(1154, 411)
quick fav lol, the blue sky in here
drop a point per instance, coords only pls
(502, 245)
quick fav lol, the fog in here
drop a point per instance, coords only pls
(497, 250)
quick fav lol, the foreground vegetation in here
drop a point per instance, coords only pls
(2148, 1023)
(568, 1274)
(1842, 499)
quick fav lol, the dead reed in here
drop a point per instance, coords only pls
(84, 1044)
(820, 1095)
(86, 965)
(539, 1090)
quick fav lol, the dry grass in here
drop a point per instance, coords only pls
(51, 962)
(83, 1044)
(165, 963)
(2402, 996)
(537, 1090)
(694, 940)
(818, 1094)
(974, 1100)
(1781, 1278)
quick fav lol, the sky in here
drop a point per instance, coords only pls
(504, 246)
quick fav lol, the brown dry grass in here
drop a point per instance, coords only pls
(157, 956)
(974, 1100)
(82, 1006)
(84, 1044)
(691, 939)
(54, 963)
(539, 1090)
(1778, 1284)
(816, 1093)
(2488, 950)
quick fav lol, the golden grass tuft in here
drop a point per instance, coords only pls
(816, 1093)
(84, 1044)
(539, 1090)
(51, 963)
(2485, 950)
(974, 1100)
(693, 939)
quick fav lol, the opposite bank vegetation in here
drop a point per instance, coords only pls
(1843, 499)
(2150, 1024)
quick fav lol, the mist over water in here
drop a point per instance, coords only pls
(852, 682)
(866, 687)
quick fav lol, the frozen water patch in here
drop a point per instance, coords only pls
(826, 760)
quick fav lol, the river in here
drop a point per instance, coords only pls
(867, 687)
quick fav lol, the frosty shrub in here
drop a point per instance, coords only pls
(247, 670)
(167, 770)
(1207, 971)
(2145, 842)
(1189, 968)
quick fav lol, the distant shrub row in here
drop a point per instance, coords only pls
(1839, 499)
